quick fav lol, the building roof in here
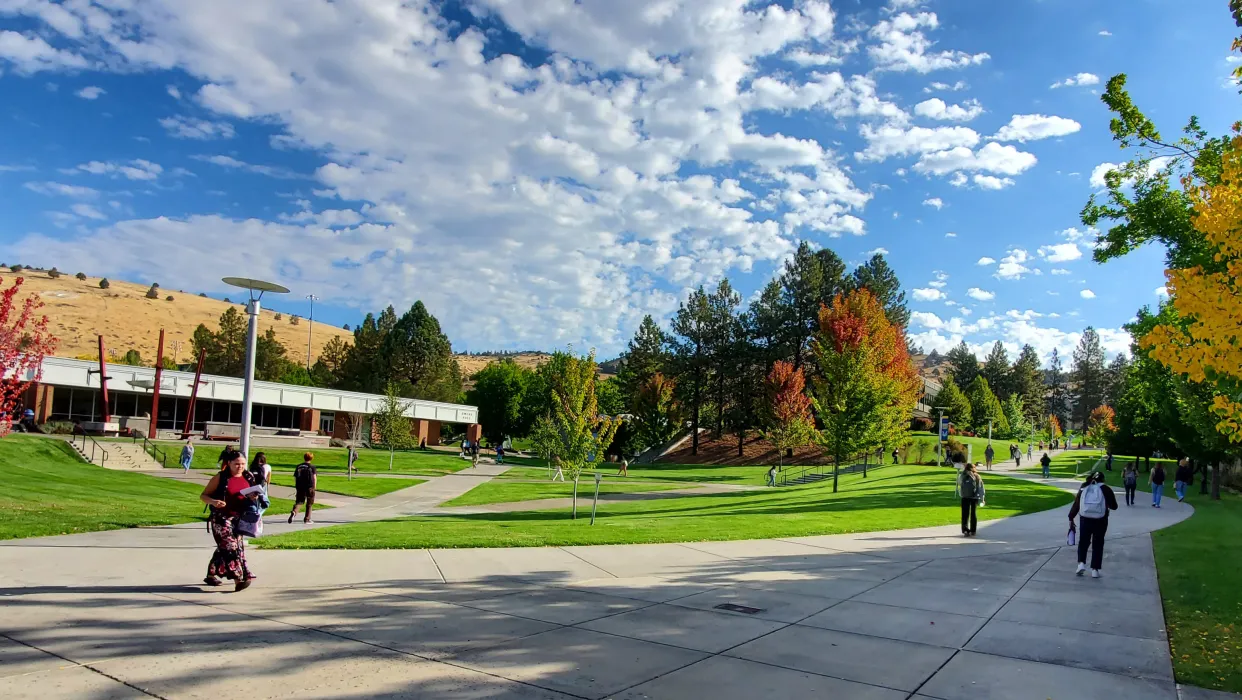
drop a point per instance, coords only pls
(62, 371)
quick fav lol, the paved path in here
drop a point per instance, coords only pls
(908, 614)
(586, 494)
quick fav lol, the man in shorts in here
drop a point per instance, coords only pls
(304, 480)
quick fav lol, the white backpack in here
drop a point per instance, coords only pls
(1092, 505)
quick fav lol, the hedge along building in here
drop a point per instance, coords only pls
(69, 390)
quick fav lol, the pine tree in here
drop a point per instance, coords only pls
(691, 344)
(1088, 376)
(963, 365)
(996, 371)
(1026, 381)
(723, 332)
(1115, 378)
(985, 408)
(877, 277)
(812, 278)
(955, 404)
(645, 356)
(770, 323)
(1058, 393)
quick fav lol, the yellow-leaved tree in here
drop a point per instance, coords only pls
(1206, 344)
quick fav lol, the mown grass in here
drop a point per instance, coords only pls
(48, 490)
(359, 486)
(891, 498)
(513, 491)
(331, 459)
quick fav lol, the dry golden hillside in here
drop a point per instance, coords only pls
(470, 364)
(80, 311)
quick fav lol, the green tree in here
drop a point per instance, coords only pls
(985, 408)
(644, 356)
(1115, 377)
(499, 390)
(420, 358)
(963, 365)
(723, 340)
(955, 404)
(876, 276)
(391, 424)
(1026, 381)
(691, 342)
(656, 415)
(608, 394)
(1058, 397)
(811, 279)
(103, 283)
(366, 368)
(1089, 377)
(81, 276)
(770, 322)
(997, 371)
(132, 357)
(1020, 427)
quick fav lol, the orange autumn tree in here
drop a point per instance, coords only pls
(1205, 345)
(1054, 427)
(1102, 425)
(866, 387)
(789, 408)
(24, 342)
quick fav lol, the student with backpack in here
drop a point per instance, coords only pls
(1046, 463)
(1182, 478)
(1129, 479)
(772, 476)
(225, 496)
(970, 490)
(304, 480)
(187, 455)
(262, 471)
(1091, 505)
(1156, 481)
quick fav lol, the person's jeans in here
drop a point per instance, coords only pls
(1130, 489)
(1179, 487)
(771, 479)
(1157, 490)
(1091, 534)
(185, 464)
(1047, 471)
(970, 522)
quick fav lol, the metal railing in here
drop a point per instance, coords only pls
(794, 475)
(88, 441)
(152, 449)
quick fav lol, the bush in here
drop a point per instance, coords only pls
(279, 316)
(923, 425)
(153, 293)
(202, 294)
(345, 327)
(155, 285)
(226, 300)
(58, 427)
(53, 273)
(168, 298)
(16, 268)
(293, 320)
(81, 276)
(104, 283)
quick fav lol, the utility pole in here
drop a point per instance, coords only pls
(939, 436)
(310, 328)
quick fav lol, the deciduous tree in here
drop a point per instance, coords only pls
(391, 424)
(24, 342)
(955, 404)
(790, 424)
(499, 389)
(1101, 426)
(656, 414)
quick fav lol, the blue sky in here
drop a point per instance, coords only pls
(545, 172)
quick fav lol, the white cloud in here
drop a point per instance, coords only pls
(935, 108)
(90, 93)
(876, 251)
(901, 45)
(950, 234)
(173, 92)
(989, 182)
(993, 158)
(1059, 271)
(934, 202)
(980, 294)
(1027, 315)
(1032, 127)
(233, 163)
(1060, 252)
(132, 170)
(1087, 294)
(1082, 79)
(1012, 266)
(31, 54)
(959, 180)
(1105, 32)
(945, 87)
(1162, 292)
(181, 127)
(889, 140)
(928, 294)
(87, 211)
(62, 190)
(986, 261)
(1098, 173)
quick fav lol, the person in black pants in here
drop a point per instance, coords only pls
(970, 490)
(1129, 479)
(1092, 504)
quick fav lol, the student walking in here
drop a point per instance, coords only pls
(224, 495)
(560, 474)
(187, 455)
(1030, 451)
(1046, 463)
(1092, 504)
(1129, 479)
(894, 455)
(261, 470)
(988, 455)
(305, 479)
(1182, 478)
(1156, 481)
(970, 490)
(1017, 456)
(1108, 461)
(772, 476)
(625, 467)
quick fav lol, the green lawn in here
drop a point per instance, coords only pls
(687, 474)
(1202, 591)
(511, 491)
(892, 498)
(48, 490)
(416, 462)
(978, 445)
(1069, 465)
(360, 486)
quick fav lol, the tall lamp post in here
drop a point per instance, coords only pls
(310, 327)
(256, 289)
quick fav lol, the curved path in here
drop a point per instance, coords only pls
(917, 613)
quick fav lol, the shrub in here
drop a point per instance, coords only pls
(293, 320)
(345, 327)
(923, 425)
(104, 283)
(153, 293)
(58, 427)
(168, 298)
(226, 300)
(279, 316)
(155, 285)
(16, 268)
(202, 294)
(53, 273)
(81, 276)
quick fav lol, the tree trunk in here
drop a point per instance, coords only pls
(575, 516)
(720, 411)
(1147, 464)
(391, 450)
(694, 420)
(741, 438)
(836, 469)
(1216, 481)
(1204, 470)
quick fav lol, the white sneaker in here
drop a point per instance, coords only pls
(1082, 569)
(1095, 573)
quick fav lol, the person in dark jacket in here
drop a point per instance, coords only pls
(1156, 481)
(1129, 479)
(970, 490)
(1182, 478)
(1046, 463)
(1091, 506)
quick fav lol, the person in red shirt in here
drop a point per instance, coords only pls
(223, 494)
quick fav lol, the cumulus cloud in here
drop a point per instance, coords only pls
(1087, 294)
(946, 87)
(1032, 127)
(28, 53)
(1060, 252)
(934, 202)
(936, 108)
(1098, 173)
(62, 190)
(992, 158)
(1012, 266)
(928, 294)
(986, 261)
(980, 294)
(890, 140)
(876, 251)
(901, 45)
(1080, 79)
(90, 92)
(182, 127)
(1162, 292)
(990, 182)
(138, 169)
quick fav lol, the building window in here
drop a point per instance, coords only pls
(327, 423)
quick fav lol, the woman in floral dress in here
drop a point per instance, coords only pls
(223, 495)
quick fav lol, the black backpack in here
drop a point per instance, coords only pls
(302, 477)
(222, 488)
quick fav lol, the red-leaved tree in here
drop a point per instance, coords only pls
(24, 342)
(789, 409)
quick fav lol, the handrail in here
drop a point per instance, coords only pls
(787, 474)
(152, 449)
(94, 445)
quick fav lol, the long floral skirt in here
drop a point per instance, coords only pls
(229, 559)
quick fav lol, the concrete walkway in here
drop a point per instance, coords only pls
(908, 614)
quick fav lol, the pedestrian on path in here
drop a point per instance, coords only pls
(1017, 456)
(351, 458)
(894, 455)
(772, 476)
(224, 495)
(970, 490)
(559, 472)
(187, 455)
(261, 470)
(1108, 463)
(625, 467)
(305, 480)
(1091, 504)
(1046, 463)
(1129, 479)
(1156, 481)
(1182, 478)
(988, 455)
(1030, 451)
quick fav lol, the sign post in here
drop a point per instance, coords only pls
(944, 435)
(595, 502)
